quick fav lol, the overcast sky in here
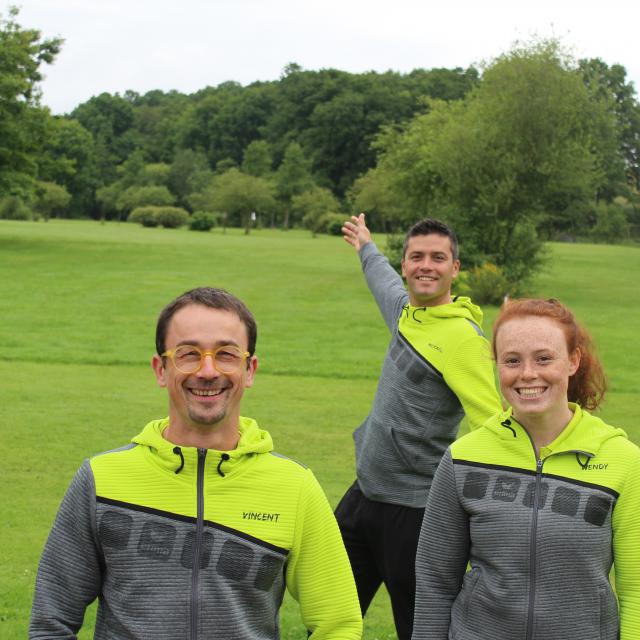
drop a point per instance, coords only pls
(115, 45)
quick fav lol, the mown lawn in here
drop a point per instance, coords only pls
(79, 300)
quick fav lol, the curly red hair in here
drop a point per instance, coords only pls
(588, 384)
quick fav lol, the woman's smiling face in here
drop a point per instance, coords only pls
(534, 367)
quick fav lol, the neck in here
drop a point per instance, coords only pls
(544, 429)
(434, 302)
(202, 436)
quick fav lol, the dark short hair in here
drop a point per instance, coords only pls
(428, 226)
(207, 297)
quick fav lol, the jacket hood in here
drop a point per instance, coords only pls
(180, 459)
(460, 307)
(584, 433)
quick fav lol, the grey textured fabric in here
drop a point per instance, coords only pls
(415, 413)
(149, 554)
(572, 597)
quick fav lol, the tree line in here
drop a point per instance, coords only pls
(534, 145)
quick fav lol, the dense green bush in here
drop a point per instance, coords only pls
(332, 223)
(203, 220)
(460, 285)
(13, 208)
(146, 216)
(393, 251)
(171, 217)
(141, 196)
(168, 217)
(51, 200)
(487, 284)
(612, 224)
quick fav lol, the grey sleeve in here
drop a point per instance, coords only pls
(384, 283)
(70, 574)
(441, 560)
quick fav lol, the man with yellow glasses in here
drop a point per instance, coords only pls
(194, 530)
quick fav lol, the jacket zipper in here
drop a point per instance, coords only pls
(533, 547)
(534, 537)
(197, 546)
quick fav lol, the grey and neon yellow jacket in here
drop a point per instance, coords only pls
(178, 542)
(540, 537)
(437, 368)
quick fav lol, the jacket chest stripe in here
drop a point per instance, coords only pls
(405, 340)
(192, 520)
(581, 483)
(497, 467)
(529, 472)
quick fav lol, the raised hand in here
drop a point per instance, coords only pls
(355, 232)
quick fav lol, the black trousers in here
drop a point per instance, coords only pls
(381, 540)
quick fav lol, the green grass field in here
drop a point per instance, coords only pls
(79, 300)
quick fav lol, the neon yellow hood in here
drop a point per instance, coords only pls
(589, 437)
(461, 307)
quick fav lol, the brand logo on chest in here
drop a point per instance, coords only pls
(601, 466)
(262, 517)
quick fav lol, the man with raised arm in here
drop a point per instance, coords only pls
(437, 369)
(194, 530)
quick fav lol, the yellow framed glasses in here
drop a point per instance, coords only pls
(187, 358)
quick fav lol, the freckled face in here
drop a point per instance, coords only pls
(206, 398)
(429, 269)
(534, 367)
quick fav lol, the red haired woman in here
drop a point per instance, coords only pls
(541, 501)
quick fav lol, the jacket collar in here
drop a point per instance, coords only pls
(584, 433)
(183, 461)
(459, 307)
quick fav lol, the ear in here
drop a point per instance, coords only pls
(574, 361)
(157, 364)
(252, 367)
(456, 268)
(404, 273)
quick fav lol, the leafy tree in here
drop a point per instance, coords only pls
(68, 159)
(239, 121)
(373, 194)
(309, 207)
(223, 120)
(225, 164)
(240, 195)
(155, 173)
(139, 184)
(190, 173)
(130, 174)
(442, 84)
(611, 224)
(335, 115)
(23, 123)
(292, 178)
(609, 85)
(131, 170)
(497, 163)
(51, 200)
(14, 208)
(110, 120)
(107, 198)
(156, 122)
(257, 159)
(140, 196)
